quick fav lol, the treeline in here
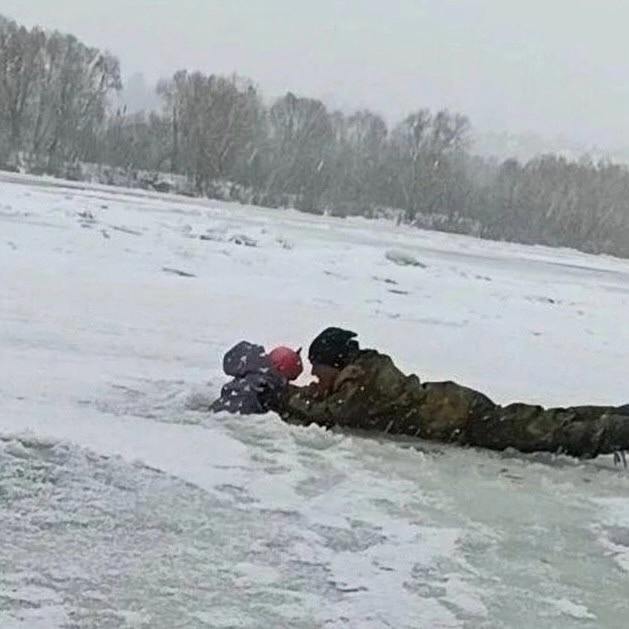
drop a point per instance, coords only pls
(215, 128)
(55, 111)
(53, 94)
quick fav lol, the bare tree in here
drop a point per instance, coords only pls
(214, 121)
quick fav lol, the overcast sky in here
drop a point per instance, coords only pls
(548, 66)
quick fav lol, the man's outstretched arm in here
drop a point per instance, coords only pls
(306, 405)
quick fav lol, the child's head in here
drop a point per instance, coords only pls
(287, 362)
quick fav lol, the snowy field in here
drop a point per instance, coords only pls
(123, 505)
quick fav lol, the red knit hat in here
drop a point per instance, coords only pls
(287, 362)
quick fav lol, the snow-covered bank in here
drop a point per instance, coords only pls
(126, 507)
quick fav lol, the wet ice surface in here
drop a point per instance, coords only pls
(124, 505)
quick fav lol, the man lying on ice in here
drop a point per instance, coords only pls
(363, 389)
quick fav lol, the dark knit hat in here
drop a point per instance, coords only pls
(334, 347)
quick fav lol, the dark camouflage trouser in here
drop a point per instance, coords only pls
(583, 431)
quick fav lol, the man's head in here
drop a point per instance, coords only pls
(330, 352)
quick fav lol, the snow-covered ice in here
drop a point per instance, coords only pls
(122, 504)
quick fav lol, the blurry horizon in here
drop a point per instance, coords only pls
(552, 71)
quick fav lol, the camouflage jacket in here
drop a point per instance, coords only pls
(373, 394)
